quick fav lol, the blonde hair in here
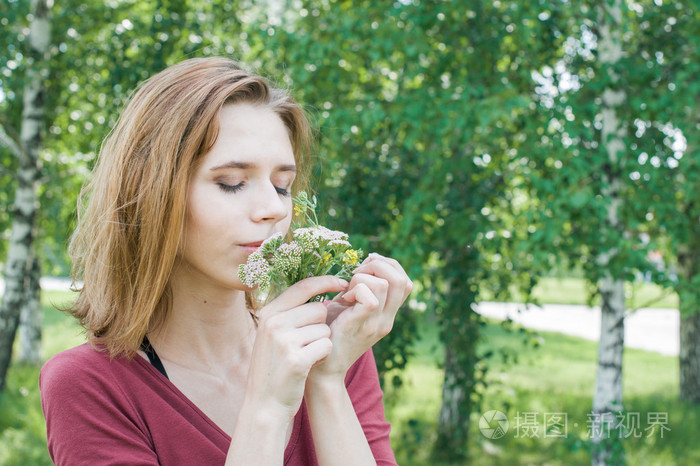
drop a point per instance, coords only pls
(129, 232)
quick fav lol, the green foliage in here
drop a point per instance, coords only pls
(557, 376)
(96, 63)
(566, 174)
(22, 426)
(415, 143)
(313, 250)
(572, 290)
(462, 138)
(668, 141)
(22, 429)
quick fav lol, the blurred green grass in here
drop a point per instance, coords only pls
(22, 427)
(556, 374)
(552, 373)
(553, 290)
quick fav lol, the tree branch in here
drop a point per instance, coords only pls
(11, 143)
(5, 172)
(650, 302)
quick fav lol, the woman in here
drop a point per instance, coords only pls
(181, 368)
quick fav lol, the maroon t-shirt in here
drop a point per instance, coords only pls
(124, 412)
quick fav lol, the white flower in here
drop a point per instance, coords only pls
(306, 239)
(318, 233)
(313, 250)
(255, 272)
(339, 242)
(269, 246)
(287, 258)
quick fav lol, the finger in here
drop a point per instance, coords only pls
(374, 259)
(306, 314)
(335, 308)
(302, 291)
(365, 299)
(306, 335)
(408, 284)
(400, 285)
(377, 285)
(373, 256)
(298, 317)
(317, 350)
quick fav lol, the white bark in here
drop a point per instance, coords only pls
(31, 319)
(453, 422)
(452, 395)
(689, 358)
(458, 384)
(689, 355)
(607, 399)
(19, 254)
(10, 143)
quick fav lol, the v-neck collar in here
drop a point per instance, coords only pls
(296, 427)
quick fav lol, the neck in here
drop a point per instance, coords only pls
(208, 327)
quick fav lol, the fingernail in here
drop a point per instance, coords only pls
(343, 282)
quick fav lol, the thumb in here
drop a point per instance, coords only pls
(302, 291)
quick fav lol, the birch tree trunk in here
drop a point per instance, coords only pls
(607, 399)
(689, 360)
(460, 328)
(31, 318)
(689, 356)
(19, 254)
(453, 422)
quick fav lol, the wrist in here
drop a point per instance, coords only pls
(270, 416)
(329, 385)
(259, 436)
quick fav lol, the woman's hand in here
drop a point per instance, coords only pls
(364, 314)
(292, 336)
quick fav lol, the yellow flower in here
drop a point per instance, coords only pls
(327, 257)
(298, 210)
(350, 257)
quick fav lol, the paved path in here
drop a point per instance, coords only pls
(648, 329)
(47, 283)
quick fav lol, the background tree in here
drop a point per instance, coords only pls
(31, 317)
(607, 399)
(416, 143)
(668, 142)
(482, 143)
(599, 149)
(21, 263)
(94, 64)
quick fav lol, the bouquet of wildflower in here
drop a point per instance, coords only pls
(312, 250)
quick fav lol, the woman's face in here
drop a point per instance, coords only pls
(239, 195)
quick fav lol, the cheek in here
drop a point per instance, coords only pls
(286, 222)
(205, 217)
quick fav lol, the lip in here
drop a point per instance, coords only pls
(250, 248)
(255, 244)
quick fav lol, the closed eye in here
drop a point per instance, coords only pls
(227, 188)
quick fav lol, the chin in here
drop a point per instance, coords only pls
(236, 285)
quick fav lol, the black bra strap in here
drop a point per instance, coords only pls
(153, 356)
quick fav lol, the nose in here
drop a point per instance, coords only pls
(269, 205)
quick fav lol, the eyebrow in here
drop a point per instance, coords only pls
(248, 165)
